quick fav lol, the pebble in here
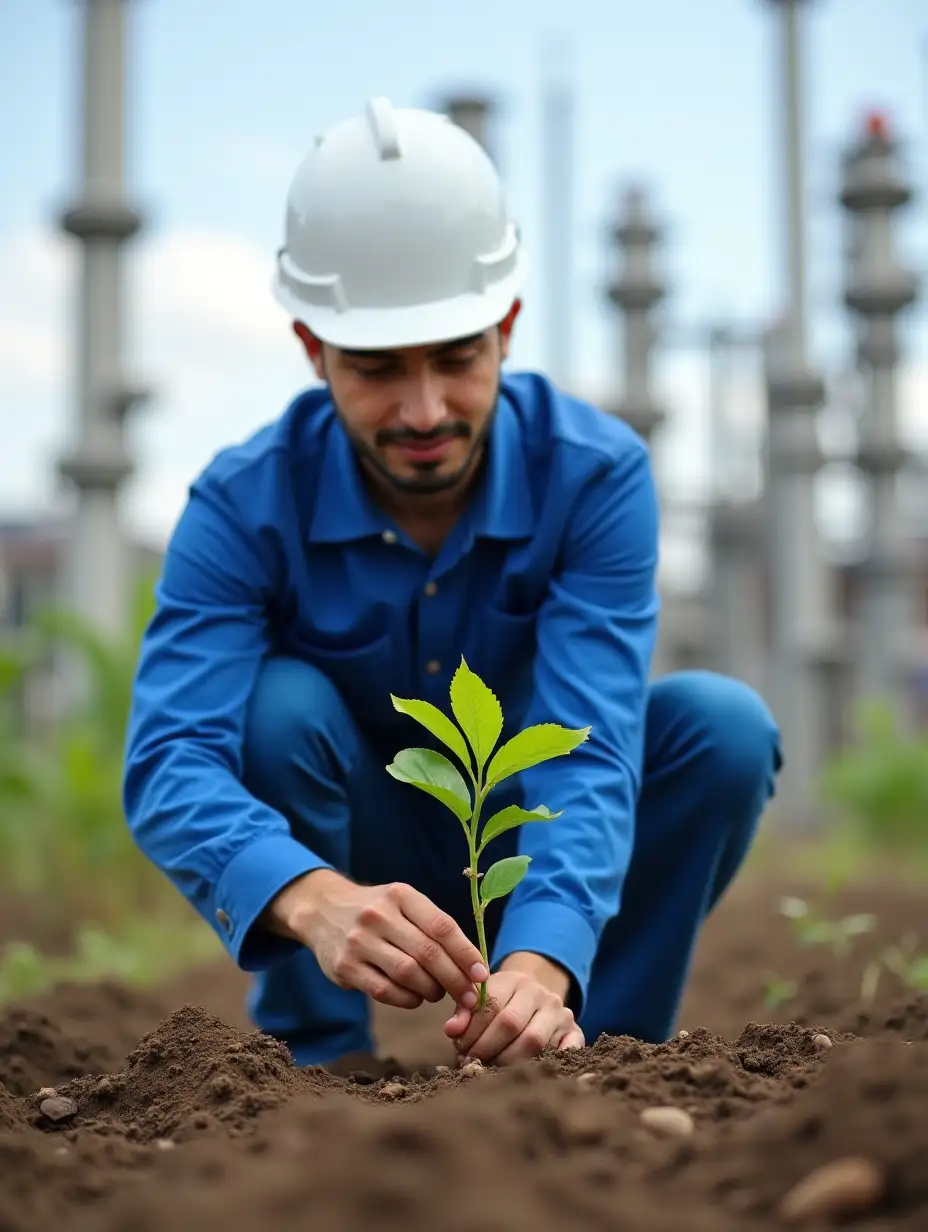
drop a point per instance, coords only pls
(393, 1090)
(836, 1190)
(473, 1069)
(684, 1034)
(46, 1093)
(58, 1108)
(668, 1122)
(822, 1042)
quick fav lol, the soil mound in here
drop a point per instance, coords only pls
(191, 1075)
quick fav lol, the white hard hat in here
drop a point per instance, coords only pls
(397, 234)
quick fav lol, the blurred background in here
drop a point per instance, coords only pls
(726, 207)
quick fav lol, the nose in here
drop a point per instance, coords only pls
(423, 405)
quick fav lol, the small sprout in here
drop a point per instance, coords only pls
(473, 739)
(903, 961)
(684, 1034)
(668, 1122)
(822, 1042)
(778, 991)
(835, 1191)
(810, 929)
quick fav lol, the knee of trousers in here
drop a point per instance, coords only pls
(295, 713)
(738, 737)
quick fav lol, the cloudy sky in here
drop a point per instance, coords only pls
(226, 98)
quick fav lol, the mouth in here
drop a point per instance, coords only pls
(425, 451)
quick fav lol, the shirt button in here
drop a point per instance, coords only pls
(389, 536)
(432, 667)
(430, 588)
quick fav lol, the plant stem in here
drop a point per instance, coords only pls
(475, 894)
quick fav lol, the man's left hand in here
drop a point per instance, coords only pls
(525, 1013)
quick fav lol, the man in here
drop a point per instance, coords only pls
(419, 507)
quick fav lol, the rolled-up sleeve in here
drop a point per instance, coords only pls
(596, 634)
(185, 802)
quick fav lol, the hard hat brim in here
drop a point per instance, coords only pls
(390, 329)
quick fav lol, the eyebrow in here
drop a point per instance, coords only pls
(446, 348)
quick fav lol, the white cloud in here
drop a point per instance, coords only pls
(205, 333)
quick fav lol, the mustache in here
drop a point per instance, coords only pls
(402, 436)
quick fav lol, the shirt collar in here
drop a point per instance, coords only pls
(501, 509)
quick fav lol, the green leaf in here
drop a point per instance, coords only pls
(510, 817)
(433, 773)
(435, 722)
(533, 745)
(478, 712)
(502, 877)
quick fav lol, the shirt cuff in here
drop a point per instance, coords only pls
(556, 932)
(250, 881)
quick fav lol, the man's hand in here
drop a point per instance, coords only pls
(525, 1013)
(387, 941)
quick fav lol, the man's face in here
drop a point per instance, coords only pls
(418, 417)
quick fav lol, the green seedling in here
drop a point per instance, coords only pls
(473, 739)
(811, 929)
(778, 991)
(904, 961)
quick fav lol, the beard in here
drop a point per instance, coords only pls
(424, 481)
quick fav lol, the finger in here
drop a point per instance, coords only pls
(507, 1025)
(379, 987)
(432, 960)
(541, 1031)
(573, 1039)
(443, 929)
(402, 968)
(459, 1021)
(478, 1023)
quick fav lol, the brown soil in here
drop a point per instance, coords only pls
(169, 1113)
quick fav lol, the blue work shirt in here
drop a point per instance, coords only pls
(546, 586)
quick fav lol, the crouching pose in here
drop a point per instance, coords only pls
(417, 505)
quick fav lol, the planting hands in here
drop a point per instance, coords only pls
(388, 941)
(524, 1014)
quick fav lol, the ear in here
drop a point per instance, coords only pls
(313, 348)
(506, 326)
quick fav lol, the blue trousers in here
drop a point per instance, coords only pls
(712, 753)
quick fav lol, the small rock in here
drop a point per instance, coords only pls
(684, 1034)
(585, 1080)
(393, 1090)
(836, 1190)
(45, 1093)
(472, 1069)
(58, 1108)
(668, 1122)
(822, 1042)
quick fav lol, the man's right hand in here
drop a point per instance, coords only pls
(388, 941)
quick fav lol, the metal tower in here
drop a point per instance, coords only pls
(102, 222)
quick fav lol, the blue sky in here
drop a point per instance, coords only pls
(225, 99)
